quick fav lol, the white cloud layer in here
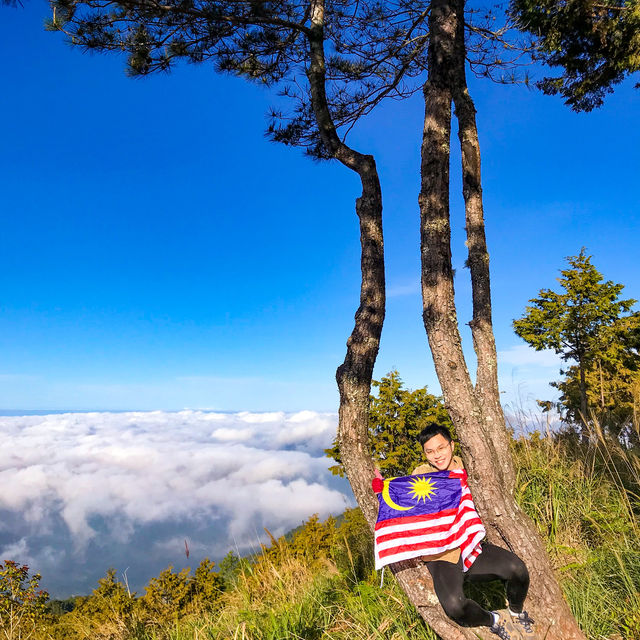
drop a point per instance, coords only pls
(83, 491)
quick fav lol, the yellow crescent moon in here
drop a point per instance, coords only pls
(387, 498)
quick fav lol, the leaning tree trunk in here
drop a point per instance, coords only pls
(475, 410)
(354, 375)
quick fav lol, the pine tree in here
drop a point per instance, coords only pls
(396, 417)
(594, 45)
(584, 323)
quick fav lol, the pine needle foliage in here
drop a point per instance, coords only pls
(374, 50)
(396, 417)
(594, 45)
(594, 330)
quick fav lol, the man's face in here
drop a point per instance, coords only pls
(439, 451)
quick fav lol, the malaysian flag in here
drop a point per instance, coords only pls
(426, 514)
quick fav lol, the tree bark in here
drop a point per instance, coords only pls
(355, 374)
(439, 311)
(601, 386)
(584, 406)
(475, 410)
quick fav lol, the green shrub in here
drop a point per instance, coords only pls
(22, 602)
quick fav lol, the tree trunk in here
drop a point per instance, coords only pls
(486, 386)
(475, 411)
(601, 386)
(354, 374)
(584, 407)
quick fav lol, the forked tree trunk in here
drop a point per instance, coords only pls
(486, 386)
(475, 410)
(354, 375)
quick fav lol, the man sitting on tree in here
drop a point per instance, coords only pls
(483, 563)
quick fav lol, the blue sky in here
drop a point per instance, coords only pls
(159, 253)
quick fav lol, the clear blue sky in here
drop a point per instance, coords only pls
(159, 253)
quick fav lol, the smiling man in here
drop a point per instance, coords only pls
(492, 563)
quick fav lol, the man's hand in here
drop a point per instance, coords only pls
(377, 484)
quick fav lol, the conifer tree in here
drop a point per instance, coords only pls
(396, 417)
(594, 45)
(584, 324)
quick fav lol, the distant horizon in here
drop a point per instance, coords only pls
(44, 412)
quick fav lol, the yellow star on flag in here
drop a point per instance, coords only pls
(421, 489)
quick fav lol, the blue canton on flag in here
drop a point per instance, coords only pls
(424, 515)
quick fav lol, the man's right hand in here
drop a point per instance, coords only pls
(377, 484)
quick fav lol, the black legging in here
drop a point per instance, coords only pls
(494, 563)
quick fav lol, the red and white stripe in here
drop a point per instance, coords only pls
(413, 536)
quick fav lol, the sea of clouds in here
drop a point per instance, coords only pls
(82, 492)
